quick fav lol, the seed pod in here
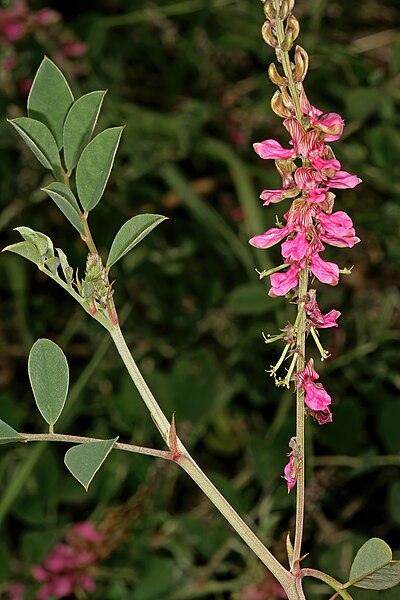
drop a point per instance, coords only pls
(278, 107)
(275, 77)
(293, 27)
(269, 35)
(301, 64)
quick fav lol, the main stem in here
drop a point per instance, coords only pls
(288, 582)
(300, 437)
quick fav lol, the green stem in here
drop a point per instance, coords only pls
(300, 437)
(77, 439)
(184, 459)
(333, 583)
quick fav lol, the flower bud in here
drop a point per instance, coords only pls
(292, 27)
(269, 9)
(301, 64)
(269, 35)
(285, 9)
(278, 107)
(275, 77)
(287, 101)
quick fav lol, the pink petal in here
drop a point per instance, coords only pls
(343, 180)
(329, 319)
(327, 272)
(296, 248)
(316, 397)
(291, 472)
(332, 124)
(270, 237)
(323, 416)
(283, 282)
(307, 374)
(272, 149)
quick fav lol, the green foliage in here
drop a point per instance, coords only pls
(85, 460)
(373, 567)
(42, 143)
(8, 434)
(95, 165)
(49, 377)
(66, 202)
(131, 233)
(50, 99)
(79, 125)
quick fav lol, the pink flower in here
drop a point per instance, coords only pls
(74, 48)
(337, 229)
(321, 416)
(316, 398)
(274, 196)
(331, 124)
(86, 531)
(291, 471)
(295, 248)
(305, 143)
(282, 283)
(315, 315)
(270, 237)
(343, 180)
(326, 272)
(272, 149)
(13, 30)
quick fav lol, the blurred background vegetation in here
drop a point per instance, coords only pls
(188, 77)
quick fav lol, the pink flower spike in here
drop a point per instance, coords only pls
(296, 248)
(272, 149)
(326, 272)
(270, 237)
(291, 471)
(282, 283)
(343, 180)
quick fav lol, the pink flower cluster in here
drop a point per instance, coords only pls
(310, 221)
(66, 570)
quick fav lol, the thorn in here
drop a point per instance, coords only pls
(173, 440)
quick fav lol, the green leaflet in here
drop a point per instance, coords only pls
(95, 165)
(85, 460)
(50, 98)
(131, 233)
(49, 376)
(41, 141)
(79, 125)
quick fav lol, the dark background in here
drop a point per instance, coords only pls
(188, 77)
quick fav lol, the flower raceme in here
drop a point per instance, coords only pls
(309, 172)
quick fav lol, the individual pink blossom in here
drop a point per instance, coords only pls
(305, 143)
(326, 272)
(296, 248)
(331, 124)
(86, 531)
(45, 17)
(316, 398)
(337, 229)
(282, 283)
(291, 471)
(270, 237)
(315, 316)
(272, 149)
(343, 180)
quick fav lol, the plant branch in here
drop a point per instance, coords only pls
(77, 439)
(333, 583)
(183, 458)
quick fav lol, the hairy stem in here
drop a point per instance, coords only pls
(77, 439)
(333, 583)
(300, 437)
